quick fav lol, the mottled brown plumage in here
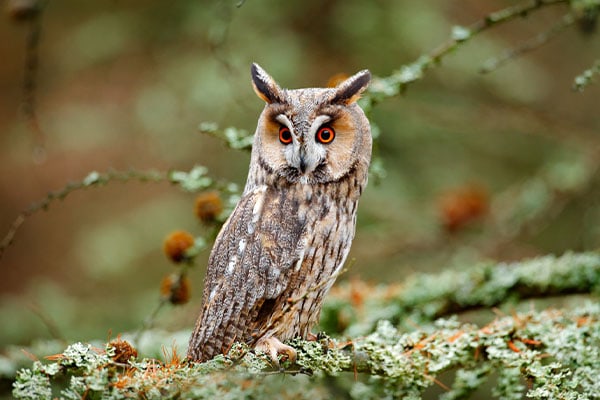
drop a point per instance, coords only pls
(279, 252)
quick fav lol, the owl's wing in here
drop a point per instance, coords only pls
(256, 257)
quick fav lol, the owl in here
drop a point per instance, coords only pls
(278, 254)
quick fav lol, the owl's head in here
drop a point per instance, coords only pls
(310, 135)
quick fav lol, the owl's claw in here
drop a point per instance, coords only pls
(272, 346)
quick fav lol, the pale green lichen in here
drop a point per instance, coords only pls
(467, 381)
(586, 77)
(553, 350)
(32, 384)
(544, 353)
(194, 180)
(424, 297)
(235, 138)
(460, 33)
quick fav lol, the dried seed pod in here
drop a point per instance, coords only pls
(208, 206)
(175, 288)
(124, 351)
(176, 244)
(462, 206)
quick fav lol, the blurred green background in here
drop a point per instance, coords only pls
(501, 165)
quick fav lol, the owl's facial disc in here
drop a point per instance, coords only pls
(303, 153)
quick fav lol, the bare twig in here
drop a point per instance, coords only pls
(493, 19)
(48, 322)
(398, 81)
(586, 77)
(149, 321)
(32, 15)
(94, 179)
(529, 45)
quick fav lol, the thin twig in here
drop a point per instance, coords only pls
(31, 67)
(48, 322)
(586, 77)
(529, 45)
(398, 81)
(492, 19)
(149, 321)
(93, 179)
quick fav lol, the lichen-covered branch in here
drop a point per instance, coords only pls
(586, 77)
(354, 308)
(398, 81)
(545, 348)
(194, 180)
(529, 45)
(545, 354)
(235, 138)
(557, 353)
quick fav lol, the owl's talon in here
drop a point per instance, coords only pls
(273, 347)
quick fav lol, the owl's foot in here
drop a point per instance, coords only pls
(272, 346)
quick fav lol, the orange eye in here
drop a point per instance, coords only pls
(325, 135)
(285, 136)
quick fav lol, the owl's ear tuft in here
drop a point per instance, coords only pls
(350, 90)
(265, 87)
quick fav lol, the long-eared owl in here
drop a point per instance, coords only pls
(281, 249)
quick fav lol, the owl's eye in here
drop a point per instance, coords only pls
(285, 136)
(325, 135)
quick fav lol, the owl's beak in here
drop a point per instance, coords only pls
(302, 160)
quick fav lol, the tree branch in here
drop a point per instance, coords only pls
(355, 308)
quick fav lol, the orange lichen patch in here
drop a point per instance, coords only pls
(421, 344)
(343, 345)
(393, 290)
(172, 358)
(153, 367)
(175, 288)
(123, 382)
(125, 379)
(462, 206)
(176, 244)
(124, 351)
(512, 346)
(486, 330)
(55, 357)
(336, 79)
(247, 384)
(358, 291)
(531, 342)
(454, 337)
(208, 206)
(581, 321)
